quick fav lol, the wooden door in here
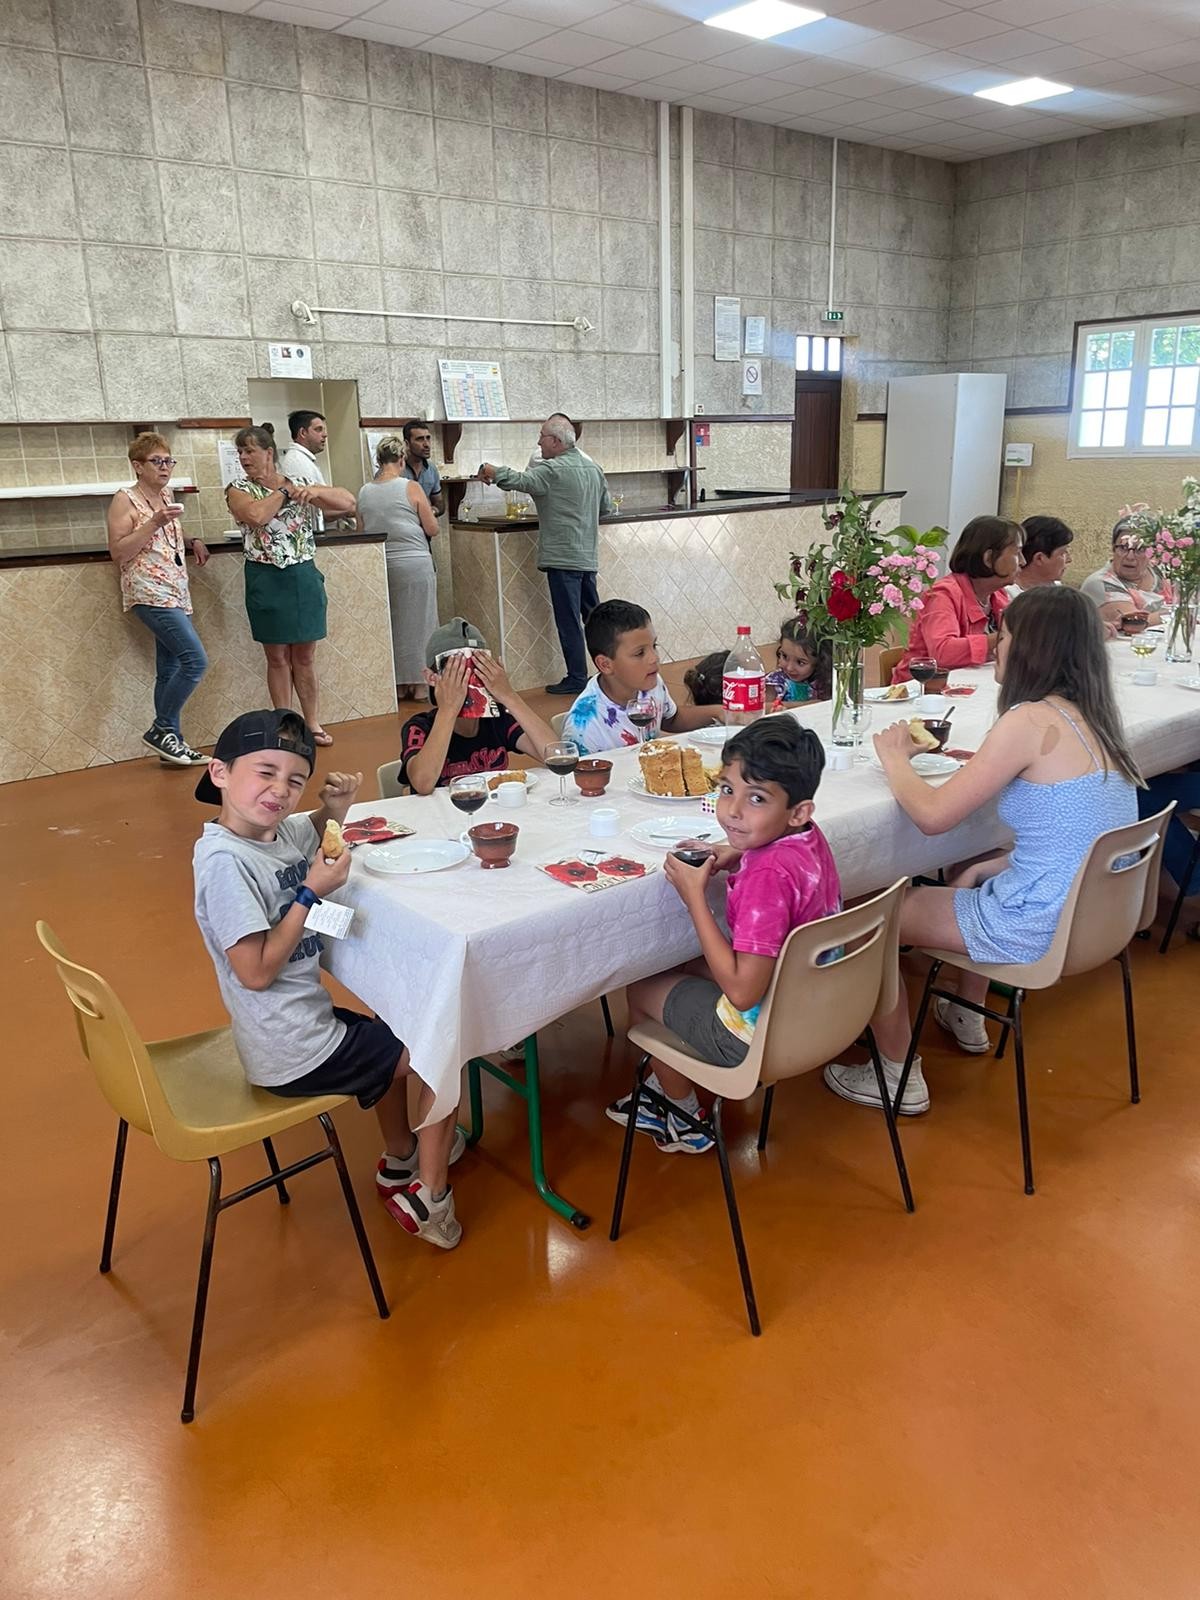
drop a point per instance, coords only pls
(816, 431)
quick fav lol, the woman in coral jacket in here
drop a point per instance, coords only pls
(959, 625)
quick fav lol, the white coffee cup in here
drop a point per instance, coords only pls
(604, 823)
(1145, 676)
(511, 796)
(839, 759)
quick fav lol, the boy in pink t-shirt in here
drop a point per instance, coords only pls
(783, 875)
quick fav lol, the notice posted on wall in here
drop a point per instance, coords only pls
(756, 336)
(290, 360)
(473, 391)
(727, 328)
(231, 467)
(752, 377)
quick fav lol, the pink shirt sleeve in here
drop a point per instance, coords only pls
(942, 627)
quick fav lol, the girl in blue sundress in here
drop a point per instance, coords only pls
(1057, 764)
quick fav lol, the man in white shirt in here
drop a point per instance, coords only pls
(299, 461)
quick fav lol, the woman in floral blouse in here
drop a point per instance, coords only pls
(285, 591)
(146, 539)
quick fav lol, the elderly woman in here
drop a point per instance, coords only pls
(398, 507)
(1128, 582)
(146, 538)
(285, 592)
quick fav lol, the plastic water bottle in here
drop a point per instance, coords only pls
(743, 682)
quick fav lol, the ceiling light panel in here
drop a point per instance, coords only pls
(1023, 91)
(764, 19)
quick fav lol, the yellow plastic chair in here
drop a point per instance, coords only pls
(388, 778)
(1114, 896)
(830, 978)
(190, 1095)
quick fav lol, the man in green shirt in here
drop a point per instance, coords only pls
(571, 495)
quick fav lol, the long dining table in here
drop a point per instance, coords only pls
(466, 962)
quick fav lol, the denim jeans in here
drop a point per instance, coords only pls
(180, 661)
(573, 595)
(1184, 789)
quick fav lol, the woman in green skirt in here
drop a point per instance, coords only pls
(285, 592)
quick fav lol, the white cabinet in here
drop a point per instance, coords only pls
(945, 444)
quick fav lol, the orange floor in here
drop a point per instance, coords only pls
(993, 1399)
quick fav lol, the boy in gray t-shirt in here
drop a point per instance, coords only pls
(258, 871)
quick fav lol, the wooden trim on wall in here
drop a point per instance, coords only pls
(752, 416)
(215, 422)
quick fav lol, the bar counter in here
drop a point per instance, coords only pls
(699, 571)
(77, 675)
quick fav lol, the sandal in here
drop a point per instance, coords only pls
(321, 737)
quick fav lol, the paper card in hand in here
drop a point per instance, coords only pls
(479, 702)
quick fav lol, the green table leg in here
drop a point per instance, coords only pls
(531, 1092)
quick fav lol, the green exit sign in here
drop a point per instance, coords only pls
(832, 316)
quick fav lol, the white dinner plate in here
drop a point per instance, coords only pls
(531, 782)
(912, 689)
(664, 833)
(1190, 683)
(929, 764)
(715, 736)
(637, 787)
(415, 855)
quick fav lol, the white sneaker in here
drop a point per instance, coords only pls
(858, 1084)
(967, 1027)
(393, 1174)
(420, 1214)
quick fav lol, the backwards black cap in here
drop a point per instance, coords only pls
(254, 731)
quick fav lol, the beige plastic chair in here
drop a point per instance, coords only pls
(557, 720)
(191, 1097)
(830, 978)
(388, 779)
(1114, 896)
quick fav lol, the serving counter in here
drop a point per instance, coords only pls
(77, 675)
(699, 572)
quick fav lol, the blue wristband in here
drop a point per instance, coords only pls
(306, 898)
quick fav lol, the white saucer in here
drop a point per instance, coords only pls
(415, 855)
(715, 736)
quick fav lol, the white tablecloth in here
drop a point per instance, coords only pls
(466, 961)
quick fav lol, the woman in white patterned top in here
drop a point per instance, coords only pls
(146, 538)
(285, 591)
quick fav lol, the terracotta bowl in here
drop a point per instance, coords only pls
(493, 842)
(1134, 622)
(592, 775)
(937, 728)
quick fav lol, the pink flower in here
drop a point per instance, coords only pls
(915, 586)
(892, 595)
(875, 608)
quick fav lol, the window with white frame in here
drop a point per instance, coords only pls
(1137, 388)
(817, 352)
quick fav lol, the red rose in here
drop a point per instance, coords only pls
(843, 604)
(840, 580)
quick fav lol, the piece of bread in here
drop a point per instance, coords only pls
(898, 691)
(920, 735)
(332, 843)
(516, 775)
(662, 768)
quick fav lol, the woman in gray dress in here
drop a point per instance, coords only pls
(399, 508)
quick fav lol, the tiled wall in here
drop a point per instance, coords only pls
(1044, 238)
(762, 200)
(77, 676)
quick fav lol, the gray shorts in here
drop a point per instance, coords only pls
(690, 1010)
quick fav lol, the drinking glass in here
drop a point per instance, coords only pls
(1143, 646)
(640, 711)
(562, 757)
(922, 669)
(469, 792)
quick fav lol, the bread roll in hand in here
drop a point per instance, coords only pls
(332, 843)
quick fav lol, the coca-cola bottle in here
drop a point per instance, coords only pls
(742, 682)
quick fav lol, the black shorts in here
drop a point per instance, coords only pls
(363, 1065)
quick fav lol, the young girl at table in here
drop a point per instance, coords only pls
(258, 871)
(803, 668)
(441, 744)
(1057, 764)
(782, 875)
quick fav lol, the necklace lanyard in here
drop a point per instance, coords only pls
(173, 540)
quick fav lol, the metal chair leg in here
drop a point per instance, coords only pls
(1005, 1029)
(922, 1013)
(1172, 921)
(356, 1221)
(1018, 998)
(735, 1222)
(764, 1123)
(206, 1254)
(114, 1195)
(614, 1231)
(608, 1027)
(285, 1198)
(1135, 1092)
(890, 1118)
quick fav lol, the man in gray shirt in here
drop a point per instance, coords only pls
(571, 496)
